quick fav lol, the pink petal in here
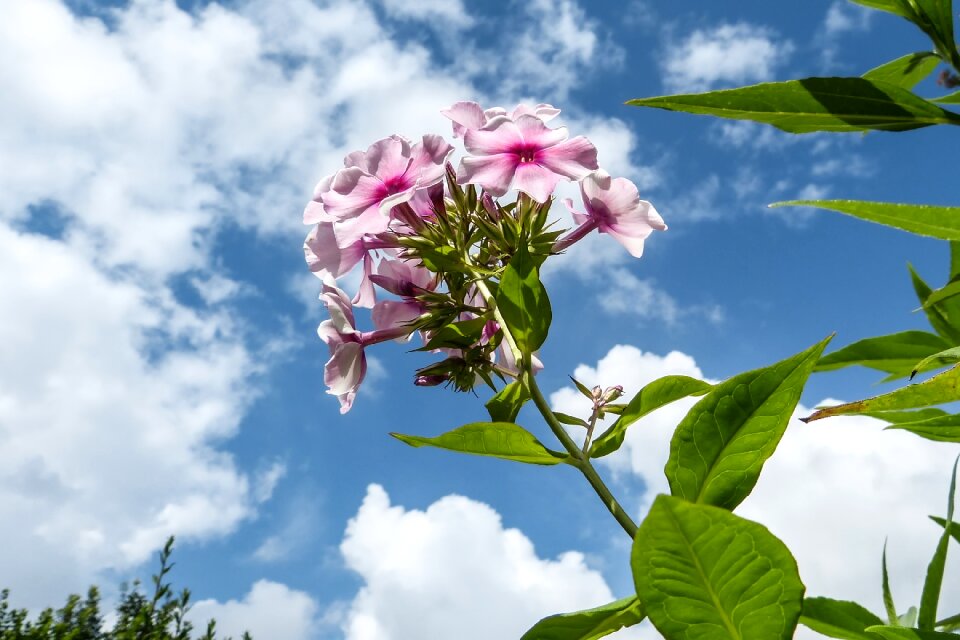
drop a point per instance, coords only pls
(389, 158)
(351, 193)
(345, 369)
(426, 160)
(314, 212)
(578, 217)
(325, 257)
(466, 116)
(633, 228)
(574, 158)
(346, 401)
(340, 309)
(366, 296)
(492, 172)
(545, 112)
(499, 135)
(537, 135)
(391, 314)
(370, 222)
(393, 200)
(536, 181)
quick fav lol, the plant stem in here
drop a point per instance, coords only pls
(581, 461)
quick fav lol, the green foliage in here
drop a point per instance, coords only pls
(814, 104)
(945, 428)
(930, 598)
(838, 618)
(905, 633)
(906, 71)
(495, 439)
(523, 302)
(506, 404)
(718, 450)
(896, 354)
(589, 624)
(657, 394)
(702, 572)
(924, 220)
(138, 617)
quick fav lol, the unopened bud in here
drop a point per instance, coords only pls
(611, 394)
(596, 393)
(429, 381)
(490, 207)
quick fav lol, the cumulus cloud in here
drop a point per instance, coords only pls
(454, 571)
(729, 54)
(269, 610)
(445, 12)
(833, 491)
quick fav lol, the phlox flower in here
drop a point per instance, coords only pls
(468, 116)
(524, 154)
(613, 206)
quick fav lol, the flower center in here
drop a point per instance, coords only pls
(527, 153)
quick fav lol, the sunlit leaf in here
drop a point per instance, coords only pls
(899, 417)
(495, 439)
(907, 71)
(506, 404)
(588, 624)
(930, 597)
(896, 354)
(658, 393)
(888, 604)
(925, 220)
(904, 633)
(954, 527)
(718, 449)
(523, 301)
(941, 388)
(703, 572)
(936, 314)
(950, 98)
(838, 618)
(814, 104)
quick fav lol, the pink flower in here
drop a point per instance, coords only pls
(329, 261)
(405, 279)
(383, 176)
(468, 116)
(347, 366)
(524, 154)
(613, 206)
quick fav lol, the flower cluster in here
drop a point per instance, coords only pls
(436, 240)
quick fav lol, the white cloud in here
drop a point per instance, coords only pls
(728, 54)
(270, 610)
(629, 295)
(454, 571)
(699, 202)
(743, 134)
(109, 432)
(833, 490)
(843, 16)
(446, 12)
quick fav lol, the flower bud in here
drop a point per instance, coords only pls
(490, 206)
(596, 393)
(611, 394)
(429, 381)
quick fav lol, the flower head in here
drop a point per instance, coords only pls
(469, 116)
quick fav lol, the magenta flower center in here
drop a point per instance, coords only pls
(526, 152)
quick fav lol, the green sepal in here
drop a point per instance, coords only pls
(495, 439)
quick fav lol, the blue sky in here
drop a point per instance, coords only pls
(161, 372)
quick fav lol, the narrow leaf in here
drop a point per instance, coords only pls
(883, 5)
(930, 597)
(457, 335)
(702, 572)
(949, 622)
(899, 417)
(939, 429)
(907, 71)
(954, 527)
(937, 360)
(951, 290)
(496, 439)
(813, 104)
(941, 388)
(506, 404)
(951, 98)
(838, 618)
(718, 449)
(589, 624)
(523, 302)
(935, 314)
(896, 354)
(887, 593)
(658, 393)
(924, 220)
(903, 633)
(564, 418)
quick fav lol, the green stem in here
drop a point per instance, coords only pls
(580, 460)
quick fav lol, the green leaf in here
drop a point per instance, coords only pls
(496, 439)
(506, 404)
(951, 98)
(949, 622)
(814, 104)
(589, 624)
(893, 6)
(719, 448)
(950, 290)
(941, 388)
(457, 335)
(907, 71)
(523, 302)
(937, 360)
(896, 354)
(954, 527)
(571, 420)
(903, 633)
(838, 618)
(924, 220)
(658, 393)
(936, 316)
(899, 417)
(702, 572)
(582, 388)
(930, 597)
(887, 593)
